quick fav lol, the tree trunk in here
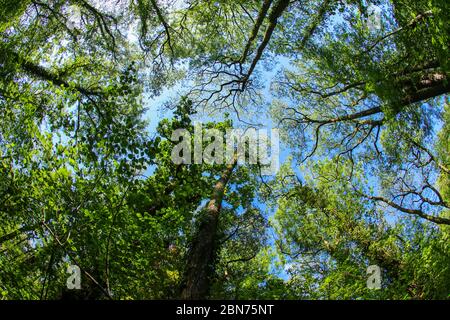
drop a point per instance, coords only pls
(201, 256)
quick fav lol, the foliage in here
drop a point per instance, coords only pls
(85, 180)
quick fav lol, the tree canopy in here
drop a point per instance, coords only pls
(88, 179)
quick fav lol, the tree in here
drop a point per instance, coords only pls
(375, 101)
(328, 237)
(84, 180)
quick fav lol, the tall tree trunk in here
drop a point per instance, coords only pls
(201, 256)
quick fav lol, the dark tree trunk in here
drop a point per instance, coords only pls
(201, 256)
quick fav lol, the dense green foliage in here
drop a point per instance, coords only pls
(87, 179)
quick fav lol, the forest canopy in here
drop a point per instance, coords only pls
(92, 94)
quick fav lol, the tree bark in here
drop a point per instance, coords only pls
(36, 71)
(201, 256)
(279, 7)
